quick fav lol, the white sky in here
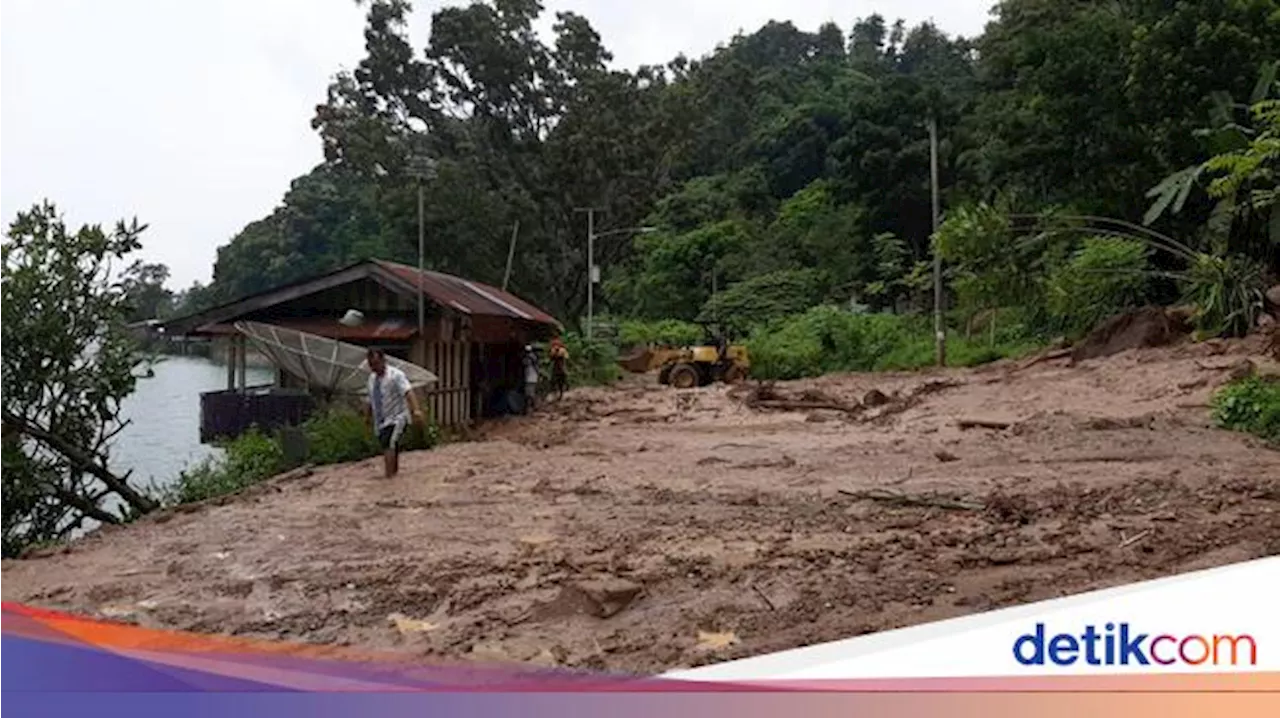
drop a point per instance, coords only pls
(194, 115)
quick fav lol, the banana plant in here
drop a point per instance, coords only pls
(1225, 138)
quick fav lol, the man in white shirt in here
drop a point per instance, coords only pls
(529, 363)
(391, 400)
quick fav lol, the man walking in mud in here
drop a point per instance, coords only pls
(391, 400)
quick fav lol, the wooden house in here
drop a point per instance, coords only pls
(471, 337)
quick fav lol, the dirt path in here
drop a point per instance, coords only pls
(621, 528)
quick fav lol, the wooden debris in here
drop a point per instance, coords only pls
(1043, 357)
(801, 405)
(1125, 543)
(716, 641)
(972, 423)
(763, 597)
(901, 499)
(406, 625)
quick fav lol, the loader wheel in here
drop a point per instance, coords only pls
(664, 374)
(684, 376)
(734, 374)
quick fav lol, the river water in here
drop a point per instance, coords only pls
(163, 437)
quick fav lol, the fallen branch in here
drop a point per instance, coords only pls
(82, 460)
(797, 405)
(1043, 357)
(901, 499)
(983, 424)
(763, 597)
(1135, 538)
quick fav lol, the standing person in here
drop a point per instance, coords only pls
(529, 363)
(391, 400)
(559, 367)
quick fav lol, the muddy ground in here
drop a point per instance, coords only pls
(642, 529)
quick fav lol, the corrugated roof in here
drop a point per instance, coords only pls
(467, 296)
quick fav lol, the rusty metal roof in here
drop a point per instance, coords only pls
(461, 295)
(467, 296)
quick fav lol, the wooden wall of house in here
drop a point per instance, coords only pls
(450, 401)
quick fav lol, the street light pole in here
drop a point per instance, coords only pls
(591, 265)
(939, 332)
(591, 256)
(422, 168)
(591, 271)
(422, 251)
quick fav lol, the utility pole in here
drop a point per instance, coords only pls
(422, 168)
(591, 265)
(422, 251)
(593, 272)
(511, 255)
(939, 331)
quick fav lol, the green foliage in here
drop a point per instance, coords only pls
(147, 296)
(591, 362)
(765, 298)
(1251, 405)
(339, 434)
(1104, 277)
(827, 339)
(1226, 290)
(246, 460)
(639, 332)
(674, 275)
(334, 435)
(68, 365)
(999, 261)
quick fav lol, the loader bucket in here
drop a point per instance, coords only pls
(637, 362)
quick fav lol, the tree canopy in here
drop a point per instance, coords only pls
(783, 151)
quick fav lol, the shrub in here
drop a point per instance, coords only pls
(827, 339)
(335, 435)
(338, 434)
(635, 332)
(1226, 290)
(591, 361)
(1104, 277)
(1251, 405)
(247, 460)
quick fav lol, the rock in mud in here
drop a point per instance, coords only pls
(600, 597)
(1141, 328)
(1242, 369)
(875, 397)
(1273, 296)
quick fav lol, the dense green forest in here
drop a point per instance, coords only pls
(1092, 154)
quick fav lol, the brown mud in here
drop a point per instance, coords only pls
(641, 528)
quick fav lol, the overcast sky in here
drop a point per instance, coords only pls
(195, 115)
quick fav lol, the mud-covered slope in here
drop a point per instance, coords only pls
(636, 528)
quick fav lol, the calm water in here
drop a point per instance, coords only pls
(164, 436)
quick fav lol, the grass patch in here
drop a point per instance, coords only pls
(1250, 405)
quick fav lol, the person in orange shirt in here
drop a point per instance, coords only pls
(559, 367)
